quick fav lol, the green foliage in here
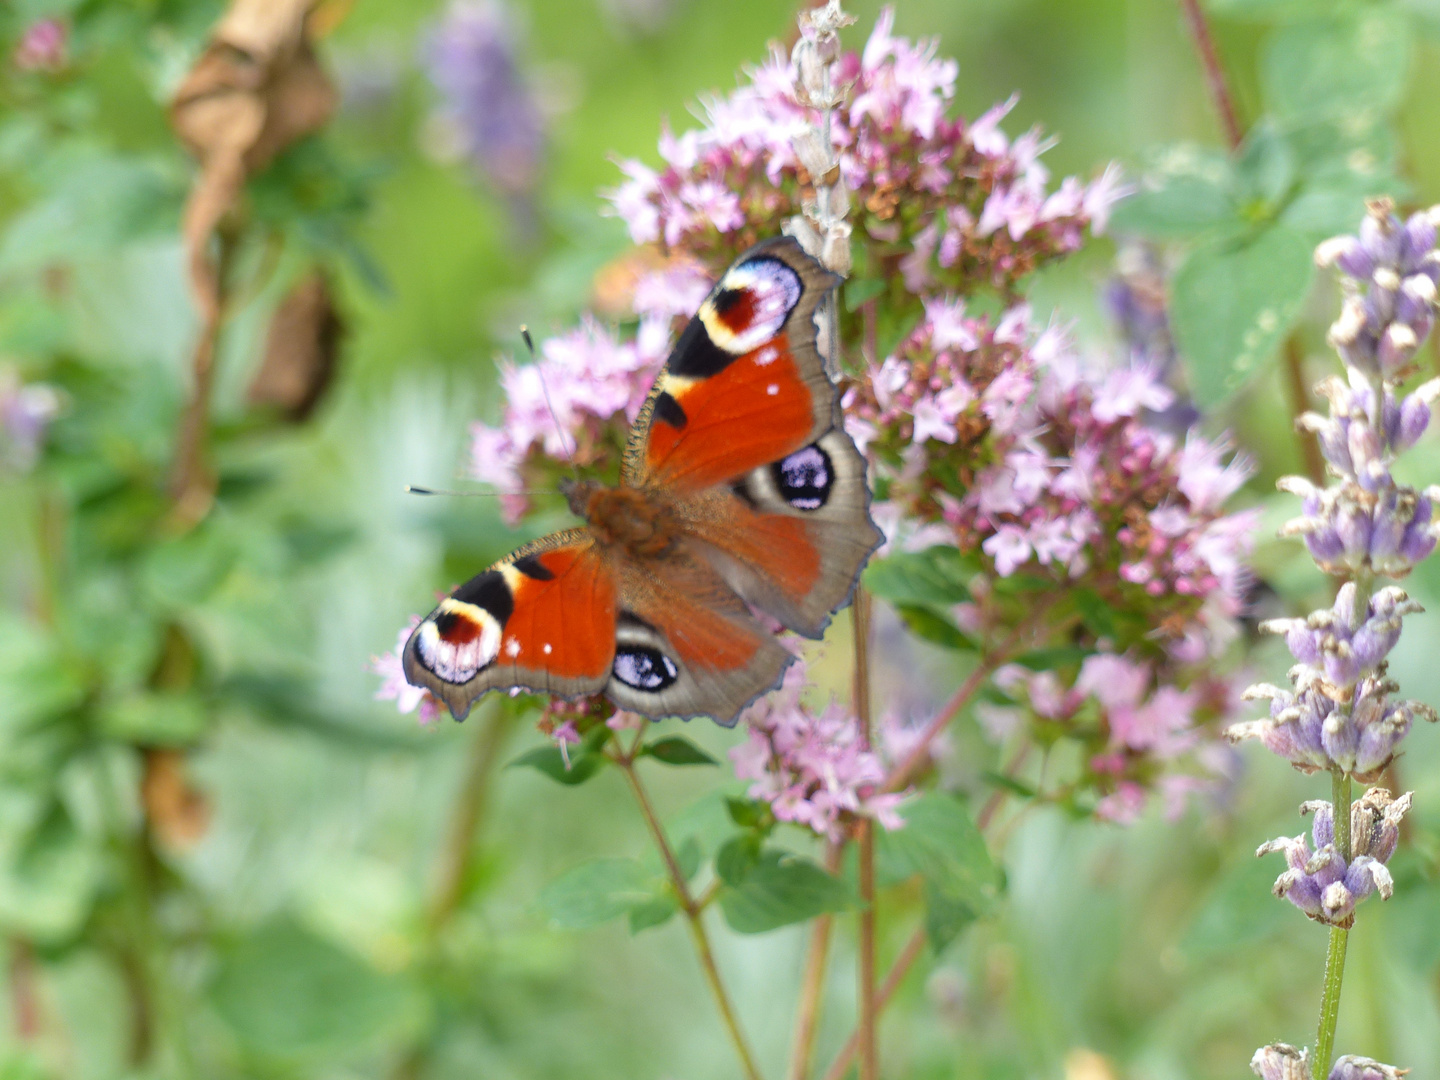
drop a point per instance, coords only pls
(676, 750)
(923, 587)
(941, 845)
(604, 889)
(1234, 303)
(574, 765)
(287, 993)
(765, 888)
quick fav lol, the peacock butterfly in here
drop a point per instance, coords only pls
(740, 492)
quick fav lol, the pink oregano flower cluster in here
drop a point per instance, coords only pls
(987, 434)
(814, 768)
(1001, 439)
(1138, 729)
(576, 402)
(955, 202)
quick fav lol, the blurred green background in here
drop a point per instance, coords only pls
(291, 932)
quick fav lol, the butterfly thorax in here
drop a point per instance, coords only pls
(623, 516)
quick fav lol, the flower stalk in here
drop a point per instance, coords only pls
(693, 912)
(1340, 717)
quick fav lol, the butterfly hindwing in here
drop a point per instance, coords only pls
(791, 537)
(745, 384)
(542, 618)
(686, 644)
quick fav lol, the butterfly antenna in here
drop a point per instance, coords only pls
(416, 489)
(545, 392)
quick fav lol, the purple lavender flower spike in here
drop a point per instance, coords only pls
(1353, 1067)
(472, 61)
(1281, 1061)
(1320, 882)
(1417, 241)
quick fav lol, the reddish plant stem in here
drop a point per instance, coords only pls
(24, 997)
(903, 963)
(693, 913)
(869, 1052)
(916, 945)
(902, 774)
(812, 984)
(1214, 74)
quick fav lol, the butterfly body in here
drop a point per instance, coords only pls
(740, 494)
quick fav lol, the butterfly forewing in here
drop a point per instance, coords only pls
(542, 618)
(745, 385)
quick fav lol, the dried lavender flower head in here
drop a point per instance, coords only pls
(1281, 1061)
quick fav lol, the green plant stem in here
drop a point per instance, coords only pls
(458, 855)
(1339, 936)
(693, 916)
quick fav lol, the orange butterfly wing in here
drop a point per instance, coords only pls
(542, 618)
(740, 440)
(743, 428)
(745, 384)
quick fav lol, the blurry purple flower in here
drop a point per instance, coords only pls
(26, 410)
(472, 60)
(42, 46)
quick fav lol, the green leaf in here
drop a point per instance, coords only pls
(934, 627)
(779, 889)
(50, 874)
(286, 992)
(940, 843)
(945, 917)
(939, 576)
(187, 570)
(1232, 305)
(653, 913)
(750, 813)
(549, 760)
(860, 290)
(677, 750)
(1343, 65)
(1187, 192)
(598, 891)
(155, 719)
(688, 856)
(1264, 171)
(736, 857)
(1095, 612)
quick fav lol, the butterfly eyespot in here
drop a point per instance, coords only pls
(804, 478)
(644, 668)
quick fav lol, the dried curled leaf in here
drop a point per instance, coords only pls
(300, 350)
(256, 89)
(179, 814)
